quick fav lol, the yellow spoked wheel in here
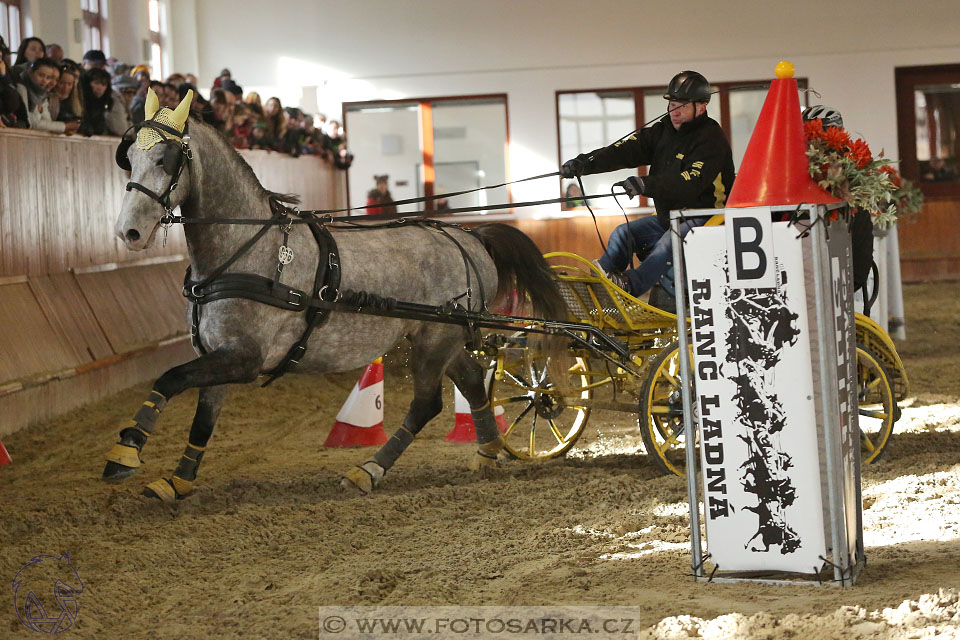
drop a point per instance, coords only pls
(541, 421)
(661, 412)
(877, 408)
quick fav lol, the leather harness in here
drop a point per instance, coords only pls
(219, 286)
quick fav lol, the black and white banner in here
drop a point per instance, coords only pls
(755, 395)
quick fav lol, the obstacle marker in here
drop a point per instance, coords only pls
(360, 421)
(4, 456)
(463, 429)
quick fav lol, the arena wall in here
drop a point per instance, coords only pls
(81, 317)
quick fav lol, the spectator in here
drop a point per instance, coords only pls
(5, 53)
(176, 79)
(232, 87)
(254, 98)
(192, 79)
(66, 94)
(276, 124)
(200, 107)
(171, 96)
(118, 117)
(258, 138)
(141, 73)
(242, 130)
(222, 110)
(34, 89)
(336, 145)
(224, 75)
(293, 121)
(97, 101)
(379, 199)
(94, 59)
(573, 191)
(55, 53)
(29, 50)
(12, 111)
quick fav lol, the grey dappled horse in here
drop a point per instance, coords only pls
(243, 338)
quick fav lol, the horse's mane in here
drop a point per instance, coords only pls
(273, 196)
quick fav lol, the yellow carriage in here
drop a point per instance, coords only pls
(545, 417)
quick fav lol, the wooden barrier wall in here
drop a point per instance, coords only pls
(81, 317)
(930, 246)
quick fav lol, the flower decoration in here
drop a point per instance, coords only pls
(847, 169)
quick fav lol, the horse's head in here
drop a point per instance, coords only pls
(157, 160)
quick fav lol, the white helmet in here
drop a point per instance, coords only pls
(829, 116)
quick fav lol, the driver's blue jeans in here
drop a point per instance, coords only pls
(643, 237)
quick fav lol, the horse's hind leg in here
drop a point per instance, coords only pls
(468, 375)
(432, 350)
(180, 485)
(226, 365)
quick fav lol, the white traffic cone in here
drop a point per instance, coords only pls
(360, 421)
(463, 428)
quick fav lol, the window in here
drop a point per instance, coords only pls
(156, 13)
(928, 124)
(429, 146)
(11, 25)
(587, 120)
(95, 25)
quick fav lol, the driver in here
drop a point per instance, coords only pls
(691, 167)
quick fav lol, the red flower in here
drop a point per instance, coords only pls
(813, 129)
(860, 153)
(893, 173)
(836, 138)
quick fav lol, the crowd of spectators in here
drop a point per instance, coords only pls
(40, 89)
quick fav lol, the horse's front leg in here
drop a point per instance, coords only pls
(180, 485)
(230, 363)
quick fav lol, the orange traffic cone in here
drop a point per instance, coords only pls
(774, 170)
(360, 421)
(4, 456)
(463, 428)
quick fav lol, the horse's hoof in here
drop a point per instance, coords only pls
(123, 461)
(485, 460)
(363, 478)
(164, 491)
(484, 465)
(116, 472)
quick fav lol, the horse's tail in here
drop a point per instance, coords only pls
(521, 268)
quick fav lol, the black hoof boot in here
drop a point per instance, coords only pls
(123, 461)
(116, 472)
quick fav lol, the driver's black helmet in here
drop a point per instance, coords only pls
(688, 86)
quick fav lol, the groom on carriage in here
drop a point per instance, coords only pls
(691, 167)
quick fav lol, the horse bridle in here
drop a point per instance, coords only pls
(175, 158)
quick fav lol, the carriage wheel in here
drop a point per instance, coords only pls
(876, 407)
(661, 411)
(541, 423)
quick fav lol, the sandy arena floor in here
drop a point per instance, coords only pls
(268, 536)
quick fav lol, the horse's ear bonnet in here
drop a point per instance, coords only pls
(147, 136)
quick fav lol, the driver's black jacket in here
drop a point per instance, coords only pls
(690, 168)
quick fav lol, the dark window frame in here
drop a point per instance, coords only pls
(19, 5)
(96, 20)
(640, 118)
(907, 78)
(425, 107)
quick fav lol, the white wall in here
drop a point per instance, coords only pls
(376, 49)
(391, 49)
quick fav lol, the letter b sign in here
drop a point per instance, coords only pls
(750, 258)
